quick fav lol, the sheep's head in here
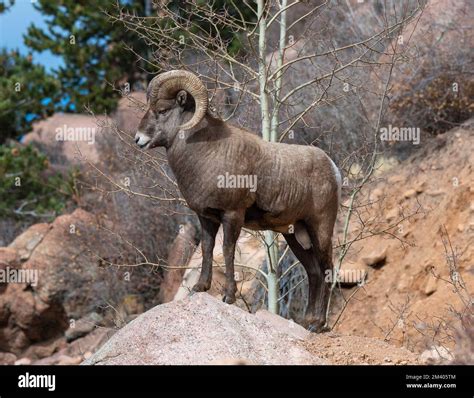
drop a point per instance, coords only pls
(177, 101)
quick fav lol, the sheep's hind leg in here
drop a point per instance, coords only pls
(315, 317)
(208, 239)
(232, 223)
(321, 236)
(309, 262)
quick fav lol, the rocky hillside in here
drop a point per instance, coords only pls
(418, 267)
(420, 275)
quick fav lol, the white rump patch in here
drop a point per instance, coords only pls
(337, 175)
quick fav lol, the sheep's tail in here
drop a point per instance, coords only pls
(337, 175)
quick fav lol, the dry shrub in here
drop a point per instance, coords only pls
(437, 103)
(464, 352)
(432, 86)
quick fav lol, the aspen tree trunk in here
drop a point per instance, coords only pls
(269, 133)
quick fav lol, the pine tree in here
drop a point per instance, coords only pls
(95, 54)
(5, 5)
(27, 93)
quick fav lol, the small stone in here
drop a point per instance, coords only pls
(431, 285)
(23, 361)
(411, 193)
(67, 360)
(83, 326)
(392, 214)
(7, 358)
(404, 231)
(436, 354)
(420, 187)
(376, 258)
(460, 228)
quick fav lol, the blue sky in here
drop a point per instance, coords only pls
(14, 24)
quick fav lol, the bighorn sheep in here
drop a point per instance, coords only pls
(296, 192)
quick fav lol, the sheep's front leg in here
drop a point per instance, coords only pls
(232, 223)
(208, 239)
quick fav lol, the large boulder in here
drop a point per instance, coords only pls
(203, 330)
(180, 253)
(62, 259)
(62, 279)
(38, 309)
(67, 138)
(71, 138)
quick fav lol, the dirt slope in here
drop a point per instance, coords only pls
(410, 300)
(340, 349)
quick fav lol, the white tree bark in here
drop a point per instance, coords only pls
(270, 132)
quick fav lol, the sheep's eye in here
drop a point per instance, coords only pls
(162, 111)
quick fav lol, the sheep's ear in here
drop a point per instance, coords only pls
(181, 98)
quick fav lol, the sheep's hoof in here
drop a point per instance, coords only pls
(319, 328)
(201, 287)
(228, 299)
(316, 326)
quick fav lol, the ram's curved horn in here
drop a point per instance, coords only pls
(167, 85)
